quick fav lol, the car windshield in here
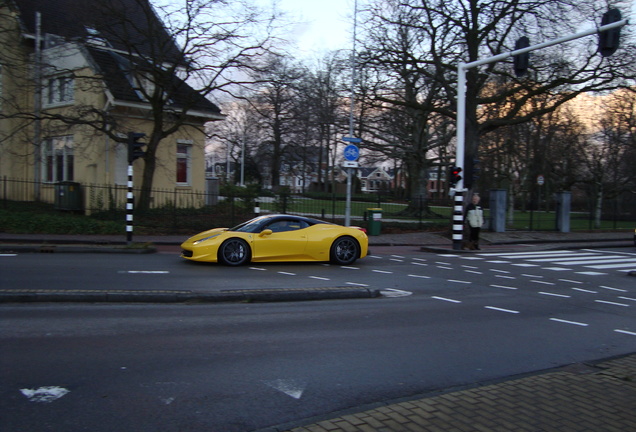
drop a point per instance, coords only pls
(250, 226)
(256, 225)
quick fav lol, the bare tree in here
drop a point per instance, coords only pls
(178, 55)
(448, 32)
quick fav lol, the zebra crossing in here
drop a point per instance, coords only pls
(584, 261)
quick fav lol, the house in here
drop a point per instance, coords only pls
(374, 179)
(76, 76)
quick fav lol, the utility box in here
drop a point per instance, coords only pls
(68, 196)
(374, 224)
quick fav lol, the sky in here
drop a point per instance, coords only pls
(322, 25)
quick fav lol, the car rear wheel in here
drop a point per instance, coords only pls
(234, 252)
(344, 251)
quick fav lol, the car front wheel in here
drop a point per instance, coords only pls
(234, 252)
(344, 251)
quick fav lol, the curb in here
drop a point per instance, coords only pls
(245, 296)
(59, 248)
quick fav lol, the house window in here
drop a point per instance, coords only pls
(60, 90)
(58, 159)
(184, 155)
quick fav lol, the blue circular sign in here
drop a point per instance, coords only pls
(351, 152)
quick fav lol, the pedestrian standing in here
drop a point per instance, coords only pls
(475, 219)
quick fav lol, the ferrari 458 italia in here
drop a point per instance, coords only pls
(278, 238)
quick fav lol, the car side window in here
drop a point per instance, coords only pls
(286, 225)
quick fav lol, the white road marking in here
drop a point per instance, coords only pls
(396, 260)
(398, 256)
(554, 294)
(419, 276)
(505, 277)
(473, 271)
(319, 278)
(502, 310)
(499, 271)
(374, 256)
(459, 281)
(382, 271)
(419, 264)
(499, 262)
(290, 387)
(584, 290)
(625, 332)
(570, 281)
(504, 287)
(591, 273)
(556, 268)
(526, 265)
(393, 293)
(569, 322)
(350, 268)
(613, 289)
(146, 271)
(286, 273)
(446, 299)
(44, 394)
(627, 298)
(258, 268)
(528, 254)
(611, 303)
(533, 276)
(357, 284)
(543, 282)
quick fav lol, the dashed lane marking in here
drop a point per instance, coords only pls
(569, 322)
(625, 332)
(612, 303)
(554, 294)
(502, 310)
(446, 299)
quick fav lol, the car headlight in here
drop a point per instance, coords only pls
(206, 238)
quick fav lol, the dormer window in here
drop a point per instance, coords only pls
(60, 90)
(95, 38)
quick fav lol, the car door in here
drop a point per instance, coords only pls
(287, 240)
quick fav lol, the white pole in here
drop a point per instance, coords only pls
(351, 112)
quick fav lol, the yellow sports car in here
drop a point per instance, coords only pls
(278, 238)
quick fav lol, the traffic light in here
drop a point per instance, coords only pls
(521, 61)
(134, 146)
(608, 40)
(454, 177)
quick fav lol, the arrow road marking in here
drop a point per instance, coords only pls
(44, 394)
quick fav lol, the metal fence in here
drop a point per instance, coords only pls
(182, 210)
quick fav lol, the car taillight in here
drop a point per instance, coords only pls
(364, 230)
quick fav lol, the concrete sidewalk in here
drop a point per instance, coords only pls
(595, 397)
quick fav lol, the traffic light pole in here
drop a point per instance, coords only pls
(458, 215)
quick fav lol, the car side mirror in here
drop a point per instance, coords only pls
(265, 233)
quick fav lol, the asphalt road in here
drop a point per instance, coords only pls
(445, 321)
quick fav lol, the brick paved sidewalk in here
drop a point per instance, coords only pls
(577, 398)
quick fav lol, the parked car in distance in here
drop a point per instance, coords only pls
(278, 237)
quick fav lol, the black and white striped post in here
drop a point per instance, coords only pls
(458, 219)
(130, 203)
(134, 152)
